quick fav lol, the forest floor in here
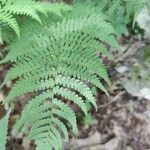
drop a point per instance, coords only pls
(122, 121)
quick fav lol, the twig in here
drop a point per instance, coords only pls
(116, 98)
(100, 144)
(88, 145)
(130, 51)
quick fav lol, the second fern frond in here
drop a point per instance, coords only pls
(10, 9)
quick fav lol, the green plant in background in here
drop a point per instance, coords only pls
(3, 130)
(88, 119)
(118, 12)
(58, 62)
(11, 9)
(143, 19)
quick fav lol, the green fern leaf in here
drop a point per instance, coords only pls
(59, 65)
(3, 130)
(117, 12)
(10, 9)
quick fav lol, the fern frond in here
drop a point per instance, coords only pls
(3, 130)
(133, 8)
(59, 65)
(114, 5)
(10, 9)
(118, 12)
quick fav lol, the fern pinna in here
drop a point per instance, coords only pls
(58, 61)
(10, 9)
